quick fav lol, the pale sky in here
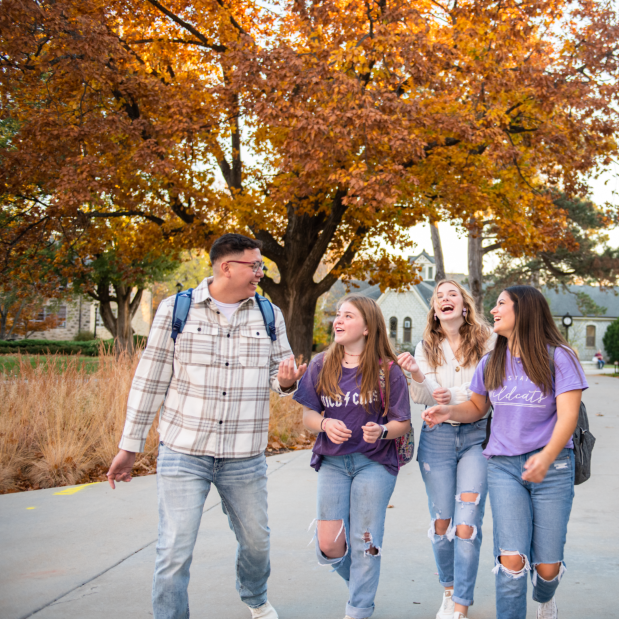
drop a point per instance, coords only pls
(455, 247)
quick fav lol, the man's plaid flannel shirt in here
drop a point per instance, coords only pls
(216, 380)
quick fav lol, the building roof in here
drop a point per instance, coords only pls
(427, 256)
(563, 302)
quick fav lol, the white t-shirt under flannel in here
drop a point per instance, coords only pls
(217, 380)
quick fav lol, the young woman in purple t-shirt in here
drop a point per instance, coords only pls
(355, 454)
(536, 398)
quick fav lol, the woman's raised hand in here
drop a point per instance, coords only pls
(336, 430)
(442, 395)
(407, 362)
(436, 415)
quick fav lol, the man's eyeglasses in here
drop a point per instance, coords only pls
(255, 266)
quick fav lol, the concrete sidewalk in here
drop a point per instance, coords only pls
(89, 551)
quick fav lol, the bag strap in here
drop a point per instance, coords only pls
(268, 315)
(182, 303)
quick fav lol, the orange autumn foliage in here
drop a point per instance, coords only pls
(326, 129)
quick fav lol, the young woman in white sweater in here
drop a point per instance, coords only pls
(450, 455)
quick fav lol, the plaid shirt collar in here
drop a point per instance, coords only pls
(202, 293)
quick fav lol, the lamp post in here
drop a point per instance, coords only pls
(567, 321)
(95, 327)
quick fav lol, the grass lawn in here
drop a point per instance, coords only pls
(9, 364)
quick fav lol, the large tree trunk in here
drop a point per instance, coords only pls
(298, 255)
(120, 325)
(476, 259)
(438, 252)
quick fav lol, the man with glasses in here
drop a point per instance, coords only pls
(213, 390)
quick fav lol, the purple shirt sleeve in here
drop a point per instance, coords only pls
(306, 393)
(477, 384)
(568, 373)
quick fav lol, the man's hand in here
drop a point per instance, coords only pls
(288, 374)
(371, 432)
(442, 395)
(536, 468)
(120, 469)
(407, 362)
(435, 415)
(336, 430)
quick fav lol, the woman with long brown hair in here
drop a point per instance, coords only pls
(356, 398)
(453, 467)
(534, 382)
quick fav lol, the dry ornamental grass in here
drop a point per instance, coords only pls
(60, 423)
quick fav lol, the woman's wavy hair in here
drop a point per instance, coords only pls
(474, 332)
(534, 331)
(377, 354)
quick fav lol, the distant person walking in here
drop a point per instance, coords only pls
(355, 453)
(452, 465)
(534, 381)
(213, 390)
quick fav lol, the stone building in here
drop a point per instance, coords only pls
(82, 314)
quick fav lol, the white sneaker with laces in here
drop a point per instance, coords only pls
(447, 609)
(548, 610)
(459, 615)
(266, 611)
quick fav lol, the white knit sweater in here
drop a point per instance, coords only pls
(450, 375)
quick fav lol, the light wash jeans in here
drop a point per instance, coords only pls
(356, 490)
(452, 463)
(183, 483)
(530, 520)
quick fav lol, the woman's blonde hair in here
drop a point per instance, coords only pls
(376, 355)
(474, 332)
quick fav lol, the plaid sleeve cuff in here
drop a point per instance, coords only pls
(132, 444)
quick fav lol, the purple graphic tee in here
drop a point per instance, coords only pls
(524, 418)
(349, 410)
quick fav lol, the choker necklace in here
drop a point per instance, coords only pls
(350, 355)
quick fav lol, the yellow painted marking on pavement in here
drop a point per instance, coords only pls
(30, 507)
(75, 489)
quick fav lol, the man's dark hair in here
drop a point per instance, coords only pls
(229, 244)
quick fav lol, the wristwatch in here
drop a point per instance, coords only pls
(385, 432)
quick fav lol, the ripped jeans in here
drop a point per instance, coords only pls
(355, 490)
(529, 520)
(452, 464)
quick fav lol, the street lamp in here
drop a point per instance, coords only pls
(179, 286)
(567, 321)
(95, 327)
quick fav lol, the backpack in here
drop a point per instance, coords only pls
(405, 445)
(182, 303)
(582, 437)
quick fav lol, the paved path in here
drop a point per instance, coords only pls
(89, 553)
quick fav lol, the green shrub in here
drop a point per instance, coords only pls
(89, 348)
(611, 341)
(84, 336)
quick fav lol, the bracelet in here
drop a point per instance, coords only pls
(322, 422)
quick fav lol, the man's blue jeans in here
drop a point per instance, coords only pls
(183, 483)
(356, 490)
(530, 520)
(452, 464)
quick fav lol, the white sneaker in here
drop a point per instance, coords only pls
(447, 609)
(349, 617)
(266, 611)
(548, 610)
(459, 615)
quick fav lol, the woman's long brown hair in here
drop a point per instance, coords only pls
(534, 331)
(376, 354)
(474, 332)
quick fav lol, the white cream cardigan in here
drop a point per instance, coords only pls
(450, 375)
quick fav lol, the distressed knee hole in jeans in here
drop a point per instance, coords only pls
(370, 549)
(331, 549)
(470, 498)
(434, 535)
(526, 566)
(465, 532)
(558, 577)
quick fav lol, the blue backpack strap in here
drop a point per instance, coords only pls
(268, 315)
(182, 303)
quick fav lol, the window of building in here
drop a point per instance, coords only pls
(429, 272)
(393, 328)
(408, 328)
(60, 314)
(590, 336)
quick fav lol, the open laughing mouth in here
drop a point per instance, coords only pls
(447, 309)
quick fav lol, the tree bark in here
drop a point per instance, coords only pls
(439, 261)
(476, 259)
(120, 325)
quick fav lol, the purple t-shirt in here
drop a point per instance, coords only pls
(524, 418)
(351, 412)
